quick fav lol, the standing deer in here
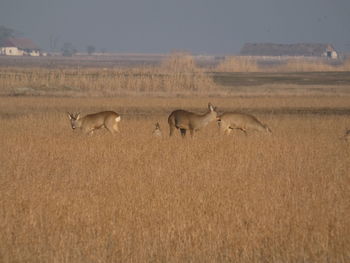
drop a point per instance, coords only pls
(91, 122)
(241, 121)
(157, 132)
(185, 120)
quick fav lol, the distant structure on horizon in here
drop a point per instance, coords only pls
(20, 47)
(301, 49)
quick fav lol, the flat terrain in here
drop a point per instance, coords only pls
(66, 197)
(102, 61)
(284, 83)
(167, 82)
(296, 78)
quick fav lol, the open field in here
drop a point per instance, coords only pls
(132, 198)
(101, 60)
(160, 82)
(66, 197)
(175, 75)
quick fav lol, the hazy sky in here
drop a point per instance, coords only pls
(160, 26)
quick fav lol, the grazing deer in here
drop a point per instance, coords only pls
(230, 120)
(157, 132)
(185, 120)
(91, 122)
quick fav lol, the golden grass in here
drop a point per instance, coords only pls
(238, 64)
(132, 198)
(302, 65)
(177, 75)
(90, 82)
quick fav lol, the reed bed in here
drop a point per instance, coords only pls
(133, 198)
(238, 64)
(178, 74)
(89, 82)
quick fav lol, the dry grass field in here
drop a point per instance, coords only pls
(66, 197)
(178, 74)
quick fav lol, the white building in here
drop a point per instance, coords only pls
(19, 47)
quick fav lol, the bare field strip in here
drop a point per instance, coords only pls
(282, 78)
(132, 198)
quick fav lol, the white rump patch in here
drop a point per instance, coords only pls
(117, 119)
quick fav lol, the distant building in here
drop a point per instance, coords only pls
(19, 47)
(302, 49)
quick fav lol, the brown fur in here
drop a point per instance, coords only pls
(91, 122)
(185, 120)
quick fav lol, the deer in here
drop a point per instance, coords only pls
(241, 121)
(157, 132)
(185, 120)
(91, 122)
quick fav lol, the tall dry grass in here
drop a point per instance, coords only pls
(131, 198)
(177, 75)
(238, 64)
(305, 65)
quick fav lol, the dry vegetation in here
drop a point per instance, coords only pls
(177, 75)
(133, 198)
(66, 197)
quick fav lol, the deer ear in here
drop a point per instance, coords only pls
(69, 115)
(78, 116)
(210, 107)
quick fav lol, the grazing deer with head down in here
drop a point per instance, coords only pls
(241, 121)
(157, 132)
(91, 122)
(185, 120)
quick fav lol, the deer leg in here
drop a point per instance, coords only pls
(115, 127)
(171, 127)
(243, 130)
(224, 128)
(183, 132)
(109, 128)
(113, 130)
(87, 131)
(219, 124)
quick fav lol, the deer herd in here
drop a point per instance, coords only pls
(178, 119)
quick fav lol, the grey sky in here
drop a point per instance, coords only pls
(159, 26)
